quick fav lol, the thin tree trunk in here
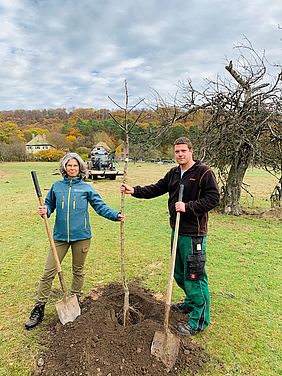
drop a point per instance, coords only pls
(126, 129)
(123, 275)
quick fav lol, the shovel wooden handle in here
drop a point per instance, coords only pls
(172, 262)
(50, 237)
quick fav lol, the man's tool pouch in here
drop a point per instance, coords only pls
(196, 261)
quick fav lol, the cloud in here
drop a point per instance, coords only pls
(75, 54)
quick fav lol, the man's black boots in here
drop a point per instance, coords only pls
(36, 316)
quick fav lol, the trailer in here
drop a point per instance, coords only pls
(107, 174)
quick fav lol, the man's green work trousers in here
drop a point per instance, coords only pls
(79, 252)
(197, 297)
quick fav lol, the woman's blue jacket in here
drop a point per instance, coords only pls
(70, 198)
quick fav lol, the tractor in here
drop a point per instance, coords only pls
(102, 163)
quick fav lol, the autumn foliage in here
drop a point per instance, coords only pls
(51, 155)
(83, 128)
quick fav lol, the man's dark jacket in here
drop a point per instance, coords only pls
(200, 196)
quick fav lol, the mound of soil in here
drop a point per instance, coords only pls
(97, 343)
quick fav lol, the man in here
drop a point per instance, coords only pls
(200, 196)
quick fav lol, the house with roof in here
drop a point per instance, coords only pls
(38, 143)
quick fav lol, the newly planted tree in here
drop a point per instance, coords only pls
(127, 128)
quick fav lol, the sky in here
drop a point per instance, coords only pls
(74, 54)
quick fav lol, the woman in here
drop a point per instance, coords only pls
(70, 198)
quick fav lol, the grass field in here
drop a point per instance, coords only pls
(244, 267)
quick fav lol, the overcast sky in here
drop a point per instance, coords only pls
(74, 53)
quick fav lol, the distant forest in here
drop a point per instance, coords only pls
(79, 130)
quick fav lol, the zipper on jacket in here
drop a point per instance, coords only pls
(63, 202)
(68, 212)
(74, 202)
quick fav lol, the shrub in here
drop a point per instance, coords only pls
(51, 155)
(83, 152)
(12, 152)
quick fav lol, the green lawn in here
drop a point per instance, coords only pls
(244, 267)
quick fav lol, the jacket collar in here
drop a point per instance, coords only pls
(196, 164)
(72, 180)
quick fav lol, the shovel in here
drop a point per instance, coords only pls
(68, 308)
(165, 345)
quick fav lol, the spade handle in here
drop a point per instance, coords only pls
(172, 262)
(50, 237)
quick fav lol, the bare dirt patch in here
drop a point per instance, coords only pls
(97, 344)
(272, 213)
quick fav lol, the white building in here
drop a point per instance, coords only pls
(38, 143)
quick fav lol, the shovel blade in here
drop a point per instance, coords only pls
(68, 309)
(165, 347)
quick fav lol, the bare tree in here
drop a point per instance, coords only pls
(243, 115)
(127, 128)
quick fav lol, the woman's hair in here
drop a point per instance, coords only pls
(82, 165)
